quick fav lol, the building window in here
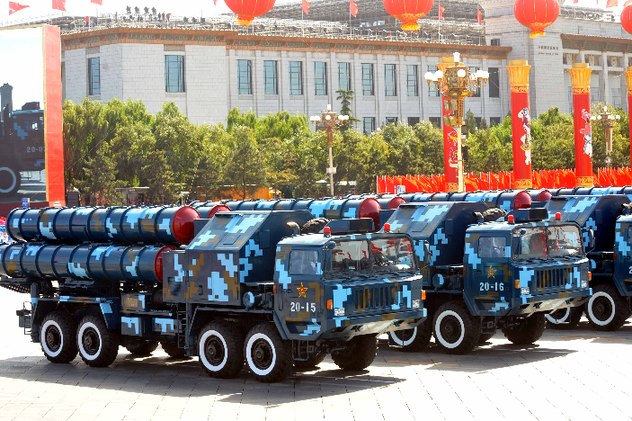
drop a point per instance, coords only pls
(174, 73)
(412, 121)
(495, 42)
(390, 80)
(270, 77)
(368, 85)
(412, 80)
(94, 76)
(494, 82)
(391, 120)
(477, 93)
(344, 76)
(494, 121)
(244, 77)
(433, 90)
(436, 121)
(296, 78)
(320, 78)
(368, 125)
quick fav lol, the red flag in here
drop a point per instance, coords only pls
(353, 8)
(612, 3)
(15, 7)
(479, 16)
(99, 2)
(59, 5)
(306, 7)
(441, 10)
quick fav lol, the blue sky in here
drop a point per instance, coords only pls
(22, 64)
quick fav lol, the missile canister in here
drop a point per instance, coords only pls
(209, 211)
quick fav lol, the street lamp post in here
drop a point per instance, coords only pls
(607, 121)
(329, 120)
(456, 82)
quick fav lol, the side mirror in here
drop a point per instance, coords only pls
(427, 254)
(591, 239)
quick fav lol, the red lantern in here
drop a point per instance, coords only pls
(536, 14)
(626, 18)
(247, 10)
(408, 11)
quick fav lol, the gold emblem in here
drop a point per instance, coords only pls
(302, 291)
(491, 272)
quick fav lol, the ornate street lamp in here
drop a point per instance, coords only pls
(329, 121)
(456, 82)
(607, 121)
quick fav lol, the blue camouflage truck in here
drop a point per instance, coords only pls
(607, 235)
(249, 288)
(485, 274)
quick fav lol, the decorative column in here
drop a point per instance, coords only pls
(628, 81)
(450, 137)
(520, 123)
(580, 80)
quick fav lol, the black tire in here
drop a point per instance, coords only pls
(606, 309)
(98, 346)
(268, 357)
(220, 347)
(358, 353)
(528, 331)
(412, 340)
(455, 330)
(311, 362)
(484, 337)
(314, 226)
(57, 337)
(564, 319)
(172, 350)
(10, 179)
(141, 347)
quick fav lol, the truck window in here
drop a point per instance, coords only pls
(545, 242)
(350, 256)
(532, 244)
(304, 262)
(392, 254)
(564, 241)
(492, 247)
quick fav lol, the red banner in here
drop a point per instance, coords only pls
(583, 138)
(521, 134)
(450, 146)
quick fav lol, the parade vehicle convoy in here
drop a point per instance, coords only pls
(485, 274)
(607, 219)
(243, 288)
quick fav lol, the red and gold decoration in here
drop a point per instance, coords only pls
(518, 71)
(408, 11)
(580, 81)
(247, 11)
(626, 18)
(536, 15)
(628, 81)
(450, 148)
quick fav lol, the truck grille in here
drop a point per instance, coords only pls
(552, 278)
(374, 298)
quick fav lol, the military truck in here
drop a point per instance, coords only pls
(485, 274)
(248, 288)
(607, 236)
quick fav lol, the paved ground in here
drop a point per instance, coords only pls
(569, 375)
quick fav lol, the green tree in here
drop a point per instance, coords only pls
(243, 167)
(490, 149)
(345, 97)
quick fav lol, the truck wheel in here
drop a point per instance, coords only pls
(57, 337)
(268, 357)
(220, 350)
(9, 180)
(606, 309)
(172, 350)
(98, 346)
(411, 340)
(311, 362)
(141, 347)
(357, 354)
(528, 331)
(564, 319)
(455, 329)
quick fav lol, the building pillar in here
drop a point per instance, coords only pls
(628, 81)
(518, 71)
(580, 81)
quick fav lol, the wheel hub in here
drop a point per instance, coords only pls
(262, 354)
(214, 351)
(91, 341)
(53, 339)
(602, 308)
(450, 329)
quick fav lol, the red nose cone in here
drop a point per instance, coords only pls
(544, 196)
(395, 202)
(370, 208)
(522, 200)
(158, 262)
(182, 224)
(218, 208)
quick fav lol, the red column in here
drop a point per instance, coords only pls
(580, 80)
(450, 161)
(628, 81)
(520, 123)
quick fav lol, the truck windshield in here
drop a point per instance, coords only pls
(545, 242)
(386, 255)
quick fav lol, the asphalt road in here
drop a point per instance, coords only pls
(578, 375)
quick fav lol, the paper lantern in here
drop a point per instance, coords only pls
(536, 15)
(626, 18)
(408, 11)
(247, 10)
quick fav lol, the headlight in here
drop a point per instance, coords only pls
(525, 291)
(339, 311)
(416, 303)
(584, 283)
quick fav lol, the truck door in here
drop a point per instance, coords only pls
(623, 255)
